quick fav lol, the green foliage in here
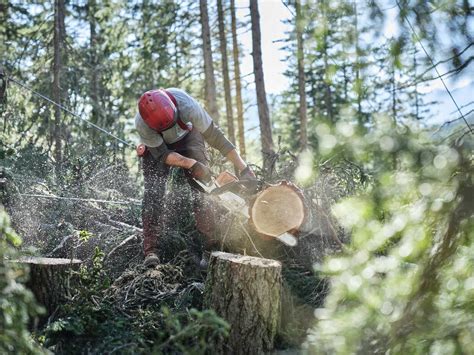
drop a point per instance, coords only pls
(84, 316)
(405, 284)
(84, 235)
(192, 332)
(17, 304)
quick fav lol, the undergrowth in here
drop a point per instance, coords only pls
(94, 322)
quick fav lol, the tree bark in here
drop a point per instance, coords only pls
(238, 84)
(49, 279)
(263, 113)
(246, 292)
(328, 93)
(59, 35)
(393, 87)
(210, 82)
(3, 26)
(417, 100)
(94, 80)
(358, 81)
(225, 72)
(327, 80)
(301, 77)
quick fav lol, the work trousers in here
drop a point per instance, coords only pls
(155, 215)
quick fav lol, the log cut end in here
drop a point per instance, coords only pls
(247, 260)
(278, 209)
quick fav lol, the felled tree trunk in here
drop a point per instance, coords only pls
(278, 209)
(246, 292)
(49, 279)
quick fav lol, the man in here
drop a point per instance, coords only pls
(173, 127)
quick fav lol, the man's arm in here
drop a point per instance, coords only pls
(176, 159)
(237, 160)
(194, 168)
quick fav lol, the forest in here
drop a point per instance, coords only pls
(363, 141)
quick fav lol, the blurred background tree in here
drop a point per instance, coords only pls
(405, 282)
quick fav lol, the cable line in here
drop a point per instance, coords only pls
(65, 109)
(82, 199)
(434, 66)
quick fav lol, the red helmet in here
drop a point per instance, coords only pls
(158, 110)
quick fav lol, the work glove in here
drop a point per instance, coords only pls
(247, 174)
(200, 172)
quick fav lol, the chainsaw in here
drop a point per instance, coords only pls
(231, 192)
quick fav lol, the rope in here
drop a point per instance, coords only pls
(434, 66)
(82, 199)
(65, 109)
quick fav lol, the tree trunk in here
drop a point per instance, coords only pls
(91, 10)
(393, 87)
(3, 27)
(246, 292)
(417, 101)
(278, 209)
(59, 35)
(49, 279)
(358, 81)
(327, 81)
(96, 86)
(238, 84)
(263, 113)
(313, 90)
(328, 93)
(225, 72)
(210, 83)
(301, 78)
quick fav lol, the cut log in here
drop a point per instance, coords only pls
(246, 292)
(49, 279)
(277, 210)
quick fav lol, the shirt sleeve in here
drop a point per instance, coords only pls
(216, 139)
(191, 111)
(147, 136)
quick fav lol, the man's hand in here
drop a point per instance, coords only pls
(247, 174)
(200, 172)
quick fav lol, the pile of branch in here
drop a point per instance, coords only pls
(170, 283)
(140, 286)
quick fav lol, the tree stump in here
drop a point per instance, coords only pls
(246, 292)
(49, 279)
